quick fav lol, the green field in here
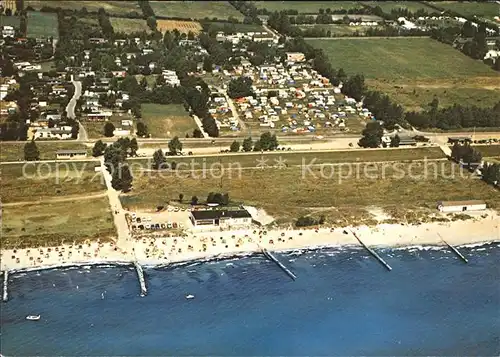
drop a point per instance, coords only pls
(195, 9)
(339, 30)
(220, 26)
(51, 223)
(129, 25)
(489, 150)
(42, 24)
(468, 8)
(387, 6)
(95, 129)
(246, 160)
(13, 21)
(414, 70)
(167, 120)
(111, 7)
(15, 151)
(306, 7)
(41, 181)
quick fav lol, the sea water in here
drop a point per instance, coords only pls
(344, 302)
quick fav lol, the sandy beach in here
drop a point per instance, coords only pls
(158, 250)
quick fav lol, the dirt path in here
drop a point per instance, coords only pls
(56, 199)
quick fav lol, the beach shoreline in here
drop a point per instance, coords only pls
(209, 246)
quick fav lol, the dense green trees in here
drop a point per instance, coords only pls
(98, 149)
(466, 154)
(31, 152)
(491, 173)
(174, 146)
(109, 128)
(247, 144)
(235, 146)
(372, 135)
(215, 197)
(159, 160)
(240, 87)
(142, 129)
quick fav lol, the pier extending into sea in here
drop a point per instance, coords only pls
(372, 252)
(455, 250)
(5, 295)
(271, 257)
(142, 279)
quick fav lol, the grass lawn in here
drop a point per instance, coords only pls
(195, 9)
(387, 6)
(468, 8)
(42, 24)
(489, 150)
(13, 21)
(129, 25)
(52, 223)
(166, 121)
(219, 26)
(111, 7)
(306, 7)
(345, 191)
(48, 66)
(15, 151)
(338, 30)
(39, 181)
(295, 159)
(95, 129)
(413, 71)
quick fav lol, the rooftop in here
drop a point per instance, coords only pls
(215, 214)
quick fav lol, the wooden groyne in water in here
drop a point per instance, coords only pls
(5, 295)
(271, 257)
(455, 250)
(372, 252)
(142, 279)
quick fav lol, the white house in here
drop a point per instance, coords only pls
(461, 206)
(8, 31)
(221, 218)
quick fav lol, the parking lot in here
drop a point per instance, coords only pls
(171, 218)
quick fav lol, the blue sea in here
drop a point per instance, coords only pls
(344, 302)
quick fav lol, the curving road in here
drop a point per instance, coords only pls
(70, 109)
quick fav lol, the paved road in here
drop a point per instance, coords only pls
(233, 109)
(124, 238)
(70, 110)
(200, 126)
(362, 37)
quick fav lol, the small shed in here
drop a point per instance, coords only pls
(461, 206)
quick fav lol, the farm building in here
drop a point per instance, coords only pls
(71, 154)
(461, 206)
(221, 218)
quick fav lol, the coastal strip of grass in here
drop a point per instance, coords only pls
(15, 151)
(269, 159)
(339, 193)
(42, 181)
(57, 222)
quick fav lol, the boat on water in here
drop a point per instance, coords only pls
(33, 317)
(189, 296)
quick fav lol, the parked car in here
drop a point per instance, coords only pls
(148, 226)
(174, 225)
(163, 226)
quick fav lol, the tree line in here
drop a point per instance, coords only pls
(266, 142)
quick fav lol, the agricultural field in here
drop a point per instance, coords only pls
(335, 192)
(167, 120)
(306, 7)
(34, 182)
(42, 24)
(223, 26)
(13, 21)
(340, 30)
(387, 6)
(487, 10)
(195, 9)
(181, 26)
(111, 7)
(15, 151)
(415, 69)
(51, 223)
(121, 24)
(489, 150)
